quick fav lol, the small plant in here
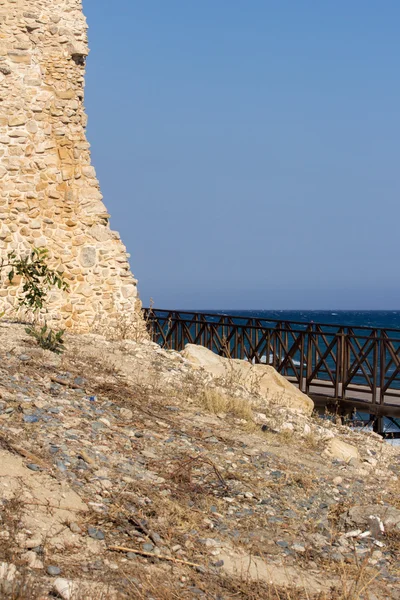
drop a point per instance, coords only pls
(37, 278)
(216, 402)
(47, 338)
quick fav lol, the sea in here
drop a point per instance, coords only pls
(379, 319)
(382, 319)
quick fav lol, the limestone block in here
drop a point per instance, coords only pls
(262, 380)
(128, 291)
(16, 120)
(88, 256)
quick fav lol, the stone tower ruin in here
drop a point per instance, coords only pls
(49, 193)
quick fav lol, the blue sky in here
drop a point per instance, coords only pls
(248, 152)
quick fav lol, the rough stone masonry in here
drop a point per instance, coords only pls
(49, 193)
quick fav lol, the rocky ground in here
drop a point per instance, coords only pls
(126, 472)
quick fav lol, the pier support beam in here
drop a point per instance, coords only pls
(377, 424)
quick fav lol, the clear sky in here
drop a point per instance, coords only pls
(248, 150)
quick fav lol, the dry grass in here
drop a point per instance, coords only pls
(126, 326)
(22, 588)
(214, 401)
(311, 441)
(357, 581)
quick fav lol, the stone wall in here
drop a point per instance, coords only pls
(49, 193)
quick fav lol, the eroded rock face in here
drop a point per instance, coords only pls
(49, 193)
(261, 380)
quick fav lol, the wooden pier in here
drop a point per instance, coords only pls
(350, 368)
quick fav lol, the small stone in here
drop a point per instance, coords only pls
(287, 427)
(148, 547)
(337, 481)
(33, 543)
(24, 357)
(74, 527)
(64, 588)
(31, 418)
(219, 563)
(95, 533)
(126, 414)
(53, 571)
(155, 537)
(298, 548)
(32, 560)
(33, 467)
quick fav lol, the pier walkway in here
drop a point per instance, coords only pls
(339, 366)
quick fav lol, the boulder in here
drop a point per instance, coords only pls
(259, 380)
(341, 450)
(362, 515)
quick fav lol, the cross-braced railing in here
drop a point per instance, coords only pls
(338, 361)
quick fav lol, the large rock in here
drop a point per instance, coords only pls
(362, 515)
(341, 450)
(261, 380)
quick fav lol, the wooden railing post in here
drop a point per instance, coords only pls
(382, 368)
(309, 368)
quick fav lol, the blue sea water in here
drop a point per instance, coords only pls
(382, 319)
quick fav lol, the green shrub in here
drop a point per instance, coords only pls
(37, 277)
(37, 280)
(47, 338)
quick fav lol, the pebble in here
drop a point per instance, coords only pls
(155, 537)
(31, 418)
(126, 414)
(95, 533)
(64, 588)
(219, 563)
(33, 467)
(74, 527)
(298, 548)
(53, 571)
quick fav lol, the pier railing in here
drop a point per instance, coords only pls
(337, 361)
